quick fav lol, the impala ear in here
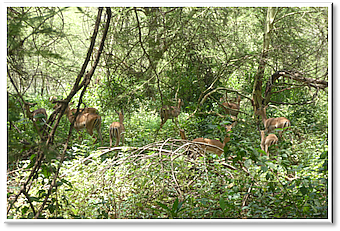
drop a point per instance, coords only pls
(266, 106)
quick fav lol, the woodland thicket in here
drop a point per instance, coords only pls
(139, 59)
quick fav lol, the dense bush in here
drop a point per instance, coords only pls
(151, 57)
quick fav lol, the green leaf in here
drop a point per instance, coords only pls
(247, 163)
(270, 164)
(35, 198)
(163, 206)
(222, 203)
(66, 182)
(303, 190)
(175, 205)
(268, 175)
(264, 168)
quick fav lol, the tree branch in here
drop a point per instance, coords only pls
(295, 75)
(147, 55)
(85, 83)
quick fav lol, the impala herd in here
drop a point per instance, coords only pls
(88, 118)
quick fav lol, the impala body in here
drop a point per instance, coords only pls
(37, 112)
(272, 123)
(117, 129)
(268, 141)
(90, 110)
(170, 112)
(210, 145)
(235, 106)
(89, 121)
(32, 115)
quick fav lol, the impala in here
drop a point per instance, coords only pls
(272, 123)
(117, 129)
(268, 141)
(208, 144)
(235, 106)
(170, 112)
(90, 110)
(34, 115)
(52, 98)
(89, 121)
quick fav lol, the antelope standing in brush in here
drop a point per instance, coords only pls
(117, 129)
(35, 115)
(39, 116)
(86, 120)
(170, 112)
(211, 145)
(90, 110)
(272, 123)
(235, 106)
(268, 141)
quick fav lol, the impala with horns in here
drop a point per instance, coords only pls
(272, 123)
(117, 129)
(211, 145)
(89, 121)
(268, 141)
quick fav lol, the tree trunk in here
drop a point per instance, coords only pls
(257, 89)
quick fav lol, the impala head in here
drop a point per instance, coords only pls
(34, 114)
(120, 115)
(261, 111)
(182, 134)
(180, 103)
(238, 99)
(52, 98)
(268, 141)
(229, 127)
(262, 133)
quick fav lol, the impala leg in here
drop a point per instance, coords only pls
(110, 135)
(160, 127)
(262, 148)
(267, 151)
(175, 120)
(117, 140)
(90, 131)
(100, 135)
(123, 138)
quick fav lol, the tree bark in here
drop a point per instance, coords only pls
(257, 89)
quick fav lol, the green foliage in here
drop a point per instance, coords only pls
(180, 53)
